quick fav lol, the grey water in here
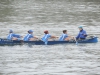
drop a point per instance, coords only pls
(55, 16)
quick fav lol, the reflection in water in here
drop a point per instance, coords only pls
(52, 15)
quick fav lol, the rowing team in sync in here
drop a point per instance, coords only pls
(64, 37)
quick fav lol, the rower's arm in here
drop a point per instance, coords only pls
(35, 37)
(85, 34)
(16, 35)
(54, 37)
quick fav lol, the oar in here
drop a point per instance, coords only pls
(76, 41)
(46, 42)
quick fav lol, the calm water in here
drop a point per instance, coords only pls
(52, 15)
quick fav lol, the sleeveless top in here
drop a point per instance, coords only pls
(63, 37)
(27, 37)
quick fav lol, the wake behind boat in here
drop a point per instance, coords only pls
(3, 42)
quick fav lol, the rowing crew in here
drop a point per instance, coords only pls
(64, 37)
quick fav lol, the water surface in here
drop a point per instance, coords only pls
(55, 16)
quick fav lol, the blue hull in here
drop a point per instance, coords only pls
(11, 42)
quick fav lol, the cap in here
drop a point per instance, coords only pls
(46, 32)
(30, 31)
(10, 31)
(80, 27)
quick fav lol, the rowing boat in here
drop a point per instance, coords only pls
(39, 42)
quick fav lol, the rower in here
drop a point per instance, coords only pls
(47, 36)
(65, 37)
(13, 36)
(82, 33)
(29, 36)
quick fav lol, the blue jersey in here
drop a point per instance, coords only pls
(27, 37)
(11, 35)
(82, 35)
(46, 37)
(63, 37)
